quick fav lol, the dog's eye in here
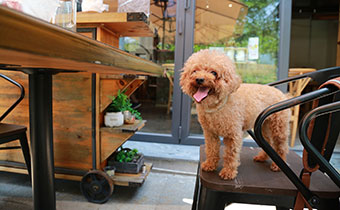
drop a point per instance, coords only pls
(214, 73)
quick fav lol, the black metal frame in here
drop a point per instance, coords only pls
(326, 166)
(93, 30)
(94, 120)
(22, 95)
(320, 77)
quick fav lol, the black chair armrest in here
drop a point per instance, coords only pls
(311, 198)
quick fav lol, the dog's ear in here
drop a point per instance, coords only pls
(235, 82)
(231, 78)
(184, 78)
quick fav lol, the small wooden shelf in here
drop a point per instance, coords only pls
(122, 24)
(115, 137)
(135, 180)
(125, 128)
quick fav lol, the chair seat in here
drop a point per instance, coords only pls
(10, 129)
(257, 178)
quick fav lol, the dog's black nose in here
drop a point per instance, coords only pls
(199, 81)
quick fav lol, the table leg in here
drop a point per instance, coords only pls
(41, 132)
(197, 189)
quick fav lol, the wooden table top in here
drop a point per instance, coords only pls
(254, 177)
(28, 42)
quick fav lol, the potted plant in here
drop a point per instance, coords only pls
(130, 114)
(114, 115)
(126, 160)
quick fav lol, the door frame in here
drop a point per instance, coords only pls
(182, 30)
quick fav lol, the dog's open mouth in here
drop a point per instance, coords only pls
(202, 93)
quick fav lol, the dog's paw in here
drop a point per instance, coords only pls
(260, 158)
(274, 167)
(208, 166)
(228, 174)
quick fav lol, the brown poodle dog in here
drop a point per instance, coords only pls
(228, 108)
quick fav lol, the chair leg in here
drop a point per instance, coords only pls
(26, 152)
(197, 191)
(209, 199)
(330, 204)
(281, 208)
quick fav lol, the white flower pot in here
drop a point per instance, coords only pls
(113, 119)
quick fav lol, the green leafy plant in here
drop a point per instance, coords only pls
(127, 155)
(134, 112)
(120, 103)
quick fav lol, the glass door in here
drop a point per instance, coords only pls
(245, 30)
(248, 31)
(159, 98)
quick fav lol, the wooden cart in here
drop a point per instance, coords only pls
(81, 143)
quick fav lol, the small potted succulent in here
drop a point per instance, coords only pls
(130, 114)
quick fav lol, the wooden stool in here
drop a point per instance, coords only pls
(257, 184)
(295, 89)
(11, 132)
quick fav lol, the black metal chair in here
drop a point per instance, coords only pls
(256, 184)
(12, 132)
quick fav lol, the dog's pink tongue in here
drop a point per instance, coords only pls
(201, 94)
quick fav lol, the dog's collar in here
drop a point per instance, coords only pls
(218, 107)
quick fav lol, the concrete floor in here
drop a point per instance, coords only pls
(167, 189)
(161, 191)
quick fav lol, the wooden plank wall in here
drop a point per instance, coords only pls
(71, 118)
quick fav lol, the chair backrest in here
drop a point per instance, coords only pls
(319, 132)
(328, 96)
(22, 95)
(319, 76)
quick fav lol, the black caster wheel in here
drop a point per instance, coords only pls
(96, 186)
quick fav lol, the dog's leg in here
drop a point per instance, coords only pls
(279, 127)
(261, 156)
(231, 157)
(266, 132)
(212, 151)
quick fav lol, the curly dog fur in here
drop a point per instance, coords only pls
(228, 108)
